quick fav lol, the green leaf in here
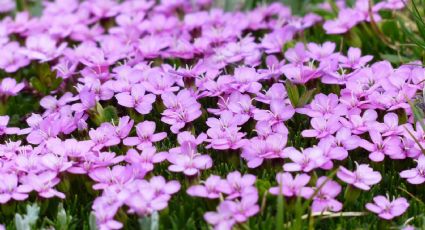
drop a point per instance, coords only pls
(389, 28)
(292, 91)
(306, 97)
(149, 222)
(279, 214)
(395, 59)
(109, 114)
(38, 85)
(92, 222)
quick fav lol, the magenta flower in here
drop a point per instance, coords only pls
(390, 126)
(325, 200)
(388, 209)
(360, 124)
(274, 41)
(246, 80)
(347, 18)
(331, 153)
(146, 135)
(354, 60)
(362, 178)
(42, 47)
(52, 105)
(43, 183)
(236, 185)
(276, 92)
(244, 208)
(7, 5)
(56, 163)
(322, 127)
(9, 87)
(321, 52)
(146, 159)
(300, 74)
(222, 219)
(12, 57)
(105, 177)
(325, 106)
(415, 175)
(343, 138)
(290, 186)
(4, 120)
(381, 147)
(105, 210)
(146, 197)
(209, 189)
(231, 212)
(297, 55)
(181, 109)
(257, 150)
(48, 128)
(104, 136)
(136, 99)
(189, 161)
(305, 161)
(69, 147)
(9, 188)
(88, 101)
(278, 112)
(161, 83)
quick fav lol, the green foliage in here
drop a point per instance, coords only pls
(27, 221)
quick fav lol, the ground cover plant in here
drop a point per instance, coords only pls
(178, 114)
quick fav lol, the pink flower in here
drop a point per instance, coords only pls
(290, 186)
(42, 47)
(43, 183)
(209, 189)
(347, 18)
(320, 52)
(343, 138)
(105, 177)
(222, 219)
(9, 188)
(146, 159)
(56, 163)
(181, 109)
(230, 212)
(236, 185)
(325, 106)
(362, 178)
(322, 127)
(257, 150)
(4, 120)
(325, 200)
(136, 99)
(189, 161)
(146, 135)
(7, 5)
(279, 112)
(9, 87)
(104, 136)
(305, 161)
(354, 60)
(388, 209)
(415, 175)
(360, 124)
(381, 147)
(12, 57)
(246, 80)
(390, 126)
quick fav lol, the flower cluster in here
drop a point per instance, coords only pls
(216, 81)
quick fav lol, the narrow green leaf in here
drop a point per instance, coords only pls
(292, 91)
